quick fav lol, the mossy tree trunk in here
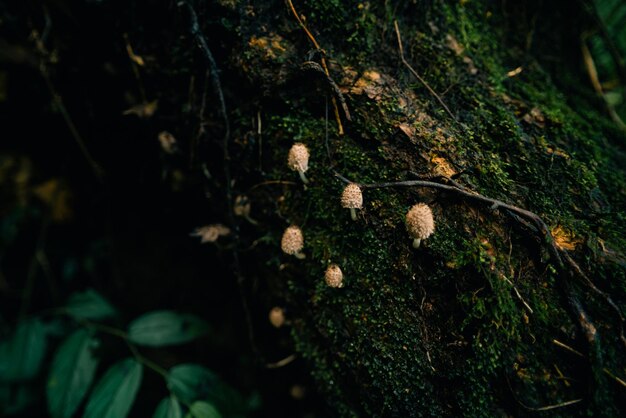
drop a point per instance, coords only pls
(478, 321)
(481, 320)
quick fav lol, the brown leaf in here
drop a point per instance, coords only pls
(443, 167)
(57, 196)
(168, 142)
(565, 239)
(143, 110)
(210, 233)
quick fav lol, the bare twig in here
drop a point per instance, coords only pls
(58, 101)
(282, 362)
(314, 66)
(215, 78)
(568, 348)
(517, 214)
(322, 60)
(416, 75)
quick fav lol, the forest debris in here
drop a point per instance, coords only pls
(271, 46)
(210, 233)
(514, 72)
(168, 142)
(143, 110)
(408, 130)
(535, 117)
(459, 50)
(308, 33)
(442, 167)
(371, 83)
(558, 152)
(134, 57)
(56, 195)
(565, 239)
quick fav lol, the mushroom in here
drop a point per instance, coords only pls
(420, 223)
(292, 242)
(334, 276)
(352, 198)
(298, 159)
(277, 317)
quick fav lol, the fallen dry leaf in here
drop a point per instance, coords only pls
(443, 167)
(565, 239)
(210, 233)
(143, 110)
(168, 142)
(57, 196)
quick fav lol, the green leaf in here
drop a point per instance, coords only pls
(191, 382)
(89, 305)
(73, 369)
(202, 409)
(22, 354)
(168, 408)
(161, 328)
(114, 394)
(15, 398)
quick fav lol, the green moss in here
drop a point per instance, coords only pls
(465, 325)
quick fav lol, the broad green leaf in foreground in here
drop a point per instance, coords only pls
(89, 305)
(73, 369)
(21, 355)
(203, 409)
(192, 382)
(168, 408)
(161, 328)
(115, 393)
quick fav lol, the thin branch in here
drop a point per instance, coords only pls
(314, 66)
(568, 348)
(322, 60)
(204, 47)
(416, 75)
(282, 362)
(58, 101)
(578, 312)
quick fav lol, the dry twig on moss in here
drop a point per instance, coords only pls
(322, 60)
(416, 75)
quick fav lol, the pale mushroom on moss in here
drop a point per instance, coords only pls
(293, 242)
(420, 223)
(298, 160)
(334, 276)
(277, 317)
(352, 199)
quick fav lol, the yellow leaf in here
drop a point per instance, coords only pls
(565, 239)
(143, 110)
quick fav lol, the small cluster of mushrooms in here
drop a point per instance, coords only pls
(419, 219)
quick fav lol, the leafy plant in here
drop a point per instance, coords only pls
(194, 390)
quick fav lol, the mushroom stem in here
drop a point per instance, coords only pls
(300, 256)
(302, 176)
(353, 214)
(416, 243)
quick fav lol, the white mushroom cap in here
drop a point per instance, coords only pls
(334, 276)
(352, 198)
(292, 241)
(298, 158)
(420, 222)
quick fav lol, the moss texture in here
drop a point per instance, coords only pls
(466, 325)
